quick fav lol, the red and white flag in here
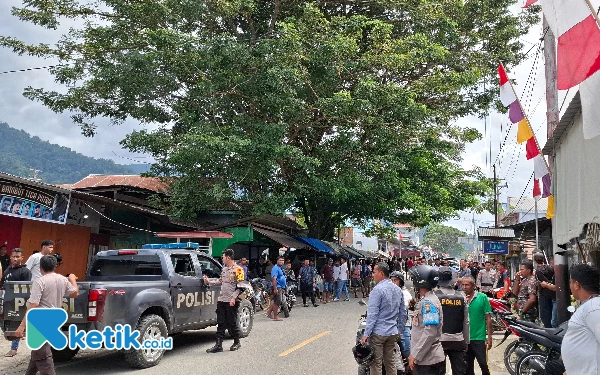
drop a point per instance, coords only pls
(578, 35)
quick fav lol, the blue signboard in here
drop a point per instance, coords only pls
(495, 247)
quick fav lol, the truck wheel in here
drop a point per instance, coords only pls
(150, 327)
(363, 370)
(63, 355)
(245, 318)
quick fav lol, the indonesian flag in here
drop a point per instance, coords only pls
(578, 34)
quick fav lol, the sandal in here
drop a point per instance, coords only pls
(11, 353)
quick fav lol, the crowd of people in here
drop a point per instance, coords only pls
(452, 315)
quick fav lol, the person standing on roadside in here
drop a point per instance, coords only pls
(486, 279)
(366, 275)
(480, 321)
(526, 289)
(47, 291)
(33, 263)
(581, 344)
(455, 330)
(342, 281)
(397, 279)
(244, 264)
(503, 280)
(4, 258)
(279, 283)
(227, 303)
(464, 271)
(386, 315)
(15, 272)
(308, 282)
(544, 275)
(426, 352)
(327, 275)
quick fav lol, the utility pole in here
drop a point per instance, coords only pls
(563, 297)
(495, 199)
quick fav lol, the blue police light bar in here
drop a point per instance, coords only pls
(188, 245)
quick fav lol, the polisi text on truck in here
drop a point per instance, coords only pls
(196, 299)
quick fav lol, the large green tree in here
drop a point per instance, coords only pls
(341, 110)
(443, 238)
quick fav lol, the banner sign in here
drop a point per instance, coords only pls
(33, 201)
(495, 247)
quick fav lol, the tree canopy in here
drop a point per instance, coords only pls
(443, 238)
(339, 110)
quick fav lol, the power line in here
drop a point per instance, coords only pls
(30, 69)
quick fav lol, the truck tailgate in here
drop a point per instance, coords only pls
(16, 294)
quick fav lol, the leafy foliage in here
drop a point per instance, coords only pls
(341, 110)
(444, 238)
(19, 152)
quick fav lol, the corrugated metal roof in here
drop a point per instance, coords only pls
(496, 232)
(282, 238)
(149, 183)
(565, 122)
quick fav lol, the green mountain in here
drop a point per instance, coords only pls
(20, 153)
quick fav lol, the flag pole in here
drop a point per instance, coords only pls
(527, 118)
(537, 237)
(589, 4)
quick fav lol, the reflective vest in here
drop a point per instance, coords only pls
(453, 309)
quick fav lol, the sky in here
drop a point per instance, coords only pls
(33, 117)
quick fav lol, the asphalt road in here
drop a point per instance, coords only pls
(328, 333)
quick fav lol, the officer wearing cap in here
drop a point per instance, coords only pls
(426, 352)
(455, 330)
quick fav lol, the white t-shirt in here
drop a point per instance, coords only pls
(336, 272)
(407, 298)
(33, 264)
(344, 271)
(581, 344)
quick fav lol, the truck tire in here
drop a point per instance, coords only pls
(63, 355)
(245, 318)
(150, 327)
(363, 370)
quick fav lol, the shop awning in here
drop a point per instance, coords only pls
(281, 238)
(354, 252)
(317, 244)
(195, 234)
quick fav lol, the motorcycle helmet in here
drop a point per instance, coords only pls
(424, 276)
(398, 275)
(363, 354)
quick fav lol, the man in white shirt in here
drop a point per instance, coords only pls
(33, 263)
(581, 344)
(342, 282)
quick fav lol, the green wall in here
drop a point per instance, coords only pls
(240, 234)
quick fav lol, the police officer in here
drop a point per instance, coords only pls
(426, 352)
(227, 303)
(455, 330)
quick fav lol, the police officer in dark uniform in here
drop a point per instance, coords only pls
(228, 303)
(455, 329)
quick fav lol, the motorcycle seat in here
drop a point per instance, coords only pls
(540, 337)
(527, 324)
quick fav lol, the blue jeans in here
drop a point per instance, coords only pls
(554, 315)
(327, 287)
(342, 286)
(405, 342)
(15, 344)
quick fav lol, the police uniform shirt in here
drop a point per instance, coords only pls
(229, 279)
(456, 316)
(427, 331)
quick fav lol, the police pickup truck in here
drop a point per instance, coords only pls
(159, 290)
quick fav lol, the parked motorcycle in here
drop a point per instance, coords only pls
(401, 362)
(262, 297)
(500, 308)
(526, 343)
(547, 341)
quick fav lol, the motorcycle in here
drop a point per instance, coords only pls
(262, 297)
(525, 343)
(500, 307)
(534, 361)
(401, 362)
